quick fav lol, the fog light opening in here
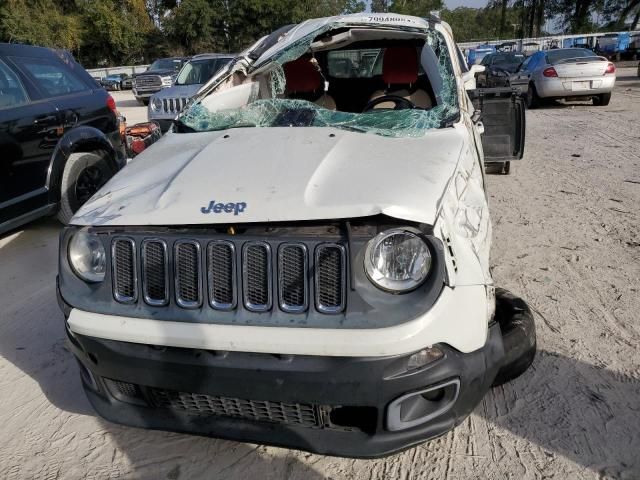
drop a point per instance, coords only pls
(417, 408)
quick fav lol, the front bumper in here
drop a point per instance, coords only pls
(164, 120)
(146, 93)
(350, 396)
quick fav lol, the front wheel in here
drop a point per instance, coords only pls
(83, 175)
(518, 335)
(602, 99)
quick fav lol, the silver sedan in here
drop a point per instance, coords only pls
(569, 73)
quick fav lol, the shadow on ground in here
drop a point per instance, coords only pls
(586, 413)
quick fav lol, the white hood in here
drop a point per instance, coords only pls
(278, 174)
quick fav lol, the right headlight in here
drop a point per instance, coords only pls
(87, 256)
(156, 104)
(397, 260)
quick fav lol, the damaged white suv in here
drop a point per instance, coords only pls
(304, 260)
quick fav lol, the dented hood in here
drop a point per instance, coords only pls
(278, 174)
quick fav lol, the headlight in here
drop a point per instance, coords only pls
(156, 104)
(397, 260)
(166, 81)
(87, 256)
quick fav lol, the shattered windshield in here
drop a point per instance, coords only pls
(391, 88)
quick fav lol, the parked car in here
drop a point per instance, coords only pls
(475, 55)
(304, 260)
(159, 75)
(499, 67)
(169, 102)
(568, 73)
(117, 81)
(59, 135)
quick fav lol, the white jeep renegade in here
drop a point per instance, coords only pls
(304, 259)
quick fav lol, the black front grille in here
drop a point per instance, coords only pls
(292, 277)
(154, 272)
(187, 272)
(263, 410)
(221, 267)
(330, 278)
(227, 278)
(124, 270)
(256, 267)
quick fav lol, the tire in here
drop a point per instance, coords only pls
(145, 101)
(532, 98)
(493, 168)
(497, 168)
(84, 174)
(602, 100)
(518, 336)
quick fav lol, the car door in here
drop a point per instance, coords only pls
(29, 131)
(502, 114)
(68, 90)
(68, 87)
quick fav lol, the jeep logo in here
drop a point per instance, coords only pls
(214, 207)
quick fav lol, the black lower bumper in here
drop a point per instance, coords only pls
(184, 390)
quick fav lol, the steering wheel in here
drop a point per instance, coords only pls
(400, 103)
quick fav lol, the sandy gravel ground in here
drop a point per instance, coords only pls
(567, 238)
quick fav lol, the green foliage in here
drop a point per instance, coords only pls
(419, 8)
(115, 31)
(111, 32)
(39, 22)
(480, 23)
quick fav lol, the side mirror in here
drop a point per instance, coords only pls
(469, 78)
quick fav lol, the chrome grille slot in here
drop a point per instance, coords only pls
(173, 105)
(330, 278)
(123, 260)
(292, 278)
(256, 276)
(155, 282)
(221, 273)
(188, 281)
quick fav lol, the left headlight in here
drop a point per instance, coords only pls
(397, 260)
(87, 256)
(156, 104)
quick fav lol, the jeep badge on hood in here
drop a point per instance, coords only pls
(214, 207)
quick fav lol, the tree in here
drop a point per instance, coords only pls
(419, 8)
(115, 31)
(191, 25)
(39, 22)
